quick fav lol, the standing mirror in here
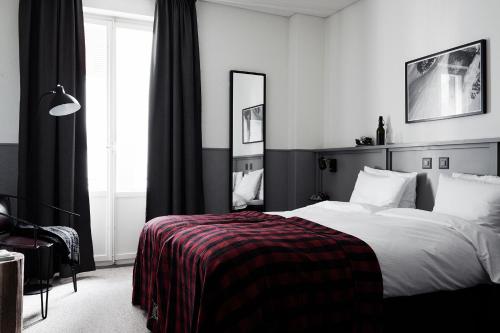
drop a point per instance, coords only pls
(247, 140)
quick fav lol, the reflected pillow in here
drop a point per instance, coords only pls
(238, 202)
(409, 197)
(248, 187)
(237, 177)
(380, 191)
(260, 196)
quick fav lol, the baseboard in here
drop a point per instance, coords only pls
(120, 259)
(125, 256)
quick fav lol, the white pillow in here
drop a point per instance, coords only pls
(260, 196)
(380, 191)
(237, 177)
(238, 202)
(409, 197)
(249, 185)
(469, 200)
(484, 179)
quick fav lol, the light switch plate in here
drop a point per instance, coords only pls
(427, 163)
(444, 163)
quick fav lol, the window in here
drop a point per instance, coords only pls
(118, 54)
(118, 57)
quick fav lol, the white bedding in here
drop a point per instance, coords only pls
(418, 251)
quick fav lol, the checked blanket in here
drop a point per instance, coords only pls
(253, 272)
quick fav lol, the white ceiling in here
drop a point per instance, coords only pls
(321, 8)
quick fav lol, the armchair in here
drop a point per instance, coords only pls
(9, 240)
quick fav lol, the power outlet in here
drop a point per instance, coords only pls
(444, 163)
(427, 163)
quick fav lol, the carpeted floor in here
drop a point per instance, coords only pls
(102, 305)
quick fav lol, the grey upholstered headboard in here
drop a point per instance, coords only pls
(474, 156)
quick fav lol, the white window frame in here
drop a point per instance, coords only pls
(112, 20)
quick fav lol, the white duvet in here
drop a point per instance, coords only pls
(418, 251)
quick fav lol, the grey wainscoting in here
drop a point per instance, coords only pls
(216, 179)
(8, 168)
(301, 177)
(339, 185)
(289, 174)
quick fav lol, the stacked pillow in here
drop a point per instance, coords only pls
(409, 196)
(381, 190)
(470, 197)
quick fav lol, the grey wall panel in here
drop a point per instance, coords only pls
(8, 168)
(216, 180)
(276, 174)
(479, 158)
(301, 177)
(339, 185)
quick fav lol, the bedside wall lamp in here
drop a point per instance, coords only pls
(330, 163)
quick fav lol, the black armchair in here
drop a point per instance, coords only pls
(9, 240)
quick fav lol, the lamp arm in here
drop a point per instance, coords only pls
(20, 220)
(45, 95)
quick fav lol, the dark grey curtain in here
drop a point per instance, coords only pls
(53, 150)
(175, 184)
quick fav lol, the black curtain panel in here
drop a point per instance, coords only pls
(175, 184)
(53, 150)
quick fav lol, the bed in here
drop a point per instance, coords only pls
(332, 266)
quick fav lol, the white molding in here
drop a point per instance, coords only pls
(287, 9)
(125, 256)
(116, 14)
(105, 263)
(101, 258)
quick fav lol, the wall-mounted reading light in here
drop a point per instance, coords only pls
(324, 163)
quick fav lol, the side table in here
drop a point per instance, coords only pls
(11, 294)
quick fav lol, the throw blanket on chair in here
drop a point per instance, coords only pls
(66, 237)
(253, 272)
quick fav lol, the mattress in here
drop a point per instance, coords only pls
(418, 251)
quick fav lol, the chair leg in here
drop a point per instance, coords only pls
(47, 284)
(73, 271)
(40, 281)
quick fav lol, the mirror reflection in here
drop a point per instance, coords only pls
(247, 140)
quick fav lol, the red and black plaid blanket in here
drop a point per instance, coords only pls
(253, 272)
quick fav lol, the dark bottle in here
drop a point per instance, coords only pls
(380, 131)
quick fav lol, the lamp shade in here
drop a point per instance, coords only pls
(62, 104)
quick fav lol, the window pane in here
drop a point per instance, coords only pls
(133, 59)
(96, 43)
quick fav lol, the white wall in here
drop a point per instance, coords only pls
(233, 38)
(367, 45)
(306, 71)
(9, 71)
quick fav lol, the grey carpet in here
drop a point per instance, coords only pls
(102, 304)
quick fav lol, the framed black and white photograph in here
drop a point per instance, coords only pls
(252, 121)
(447, 84)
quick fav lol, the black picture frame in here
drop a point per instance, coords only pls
(243, 124)
(231, 99)
(482, 44)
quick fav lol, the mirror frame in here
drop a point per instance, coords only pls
(231, 86)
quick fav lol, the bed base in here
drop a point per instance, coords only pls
(467, 310)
